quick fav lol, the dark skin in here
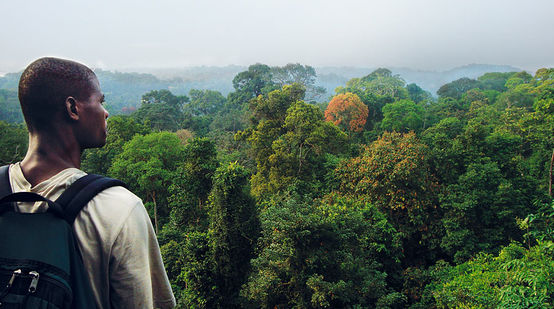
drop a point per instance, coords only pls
(82, 124)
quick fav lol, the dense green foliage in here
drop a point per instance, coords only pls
(9, 105)
(330, 253)
(259, 202)
(13, 142)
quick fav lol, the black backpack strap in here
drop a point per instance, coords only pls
(33, 197)
(5, 186)
(82, 191)
(71, 191)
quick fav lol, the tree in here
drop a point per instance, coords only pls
(234, 229)
(191, 185)
(380, 82)
(148, 164)
(162, 110)
(515, 278)
(13, 142)
(495, 81)
(417, 94)
(402, 116)
(164, 97)
(445, 150)
(196, 285)
(518, 79)
(347, 111)
(458, 87)
(518, 96)
(10, 110)
(205, 102)
(486, 183)
(208, 264)
(297, 73)
(393, 174)
(334, 253)
(255, 81)
(289, 140)
(376, 90)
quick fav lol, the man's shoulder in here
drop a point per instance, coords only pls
(113, 206)
(117, 198)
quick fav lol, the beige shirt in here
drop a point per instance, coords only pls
(117, 241)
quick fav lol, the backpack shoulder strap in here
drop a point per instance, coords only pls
(70, 192)
(82, 191)
(5, 187)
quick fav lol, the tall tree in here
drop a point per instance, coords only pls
(234, 229)
(402, 116)
(297, 73)
(347, 111)
(148, 164)
(289, 140)
(333, 253)
(205, 102)
(255, 81)
(458, 87)
(376, 90)
(393, 174)
(191, 185)
(162, 110)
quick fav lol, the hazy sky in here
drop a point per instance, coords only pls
(421, 34)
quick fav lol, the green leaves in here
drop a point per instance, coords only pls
(516, 278)
(162, 110)
(148, 164)
(330, 253)
(288, 140)
(13, 142)
(402, 116)
(234, 229)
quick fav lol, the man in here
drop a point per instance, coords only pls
(62, 102)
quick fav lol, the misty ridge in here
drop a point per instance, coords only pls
(124, 89)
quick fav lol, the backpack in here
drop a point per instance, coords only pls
(40, 262)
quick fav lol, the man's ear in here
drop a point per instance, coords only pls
(71, 108)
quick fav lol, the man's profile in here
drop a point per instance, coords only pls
(62, 104)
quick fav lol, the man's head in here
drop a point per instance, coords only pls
(57, 90)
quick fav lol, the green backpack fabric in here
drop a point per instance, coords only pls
(40, 263)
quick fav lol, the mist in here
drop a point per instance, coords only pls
(422, 35)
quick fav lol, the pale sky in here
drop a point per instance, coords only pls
(419, 34)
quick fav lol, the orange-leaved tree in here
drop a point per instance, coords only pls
(347, 111)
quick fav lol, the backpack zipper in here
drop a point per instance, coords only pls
(34, 281)
(15, 273)
(6, 290)
(35, 276)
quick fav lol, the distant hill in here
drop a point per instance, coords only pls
(202, 77)
(220, 78)
(432, 81)
(124, 89)
(332, 77)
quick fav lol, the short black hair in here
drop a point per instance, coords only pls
(45, 85)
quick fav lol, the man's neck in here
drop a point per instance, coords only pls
(47, 156)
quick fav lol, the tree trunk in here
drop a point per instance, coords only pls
(550, 182)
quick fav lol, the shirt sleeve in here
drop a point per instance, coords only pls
(137, 274)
